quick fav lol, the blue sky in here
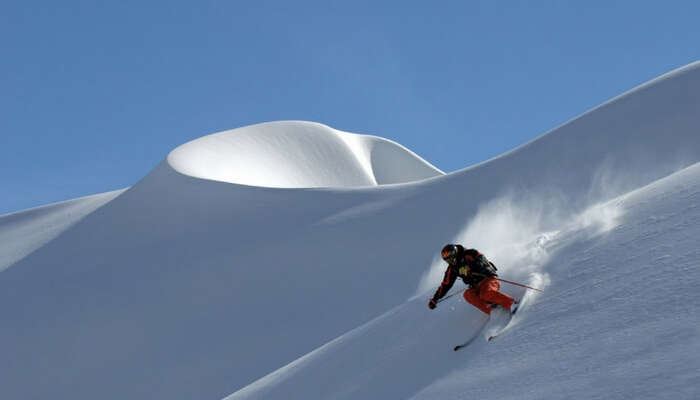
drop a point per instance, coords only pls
(93, 95)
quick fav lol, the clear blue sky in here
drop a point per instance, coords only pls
(93, 94)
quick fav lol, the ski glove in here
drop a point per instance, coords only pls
(432, 304)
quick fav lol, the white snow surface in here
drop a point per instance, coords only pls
(291, 260)
(23, 232)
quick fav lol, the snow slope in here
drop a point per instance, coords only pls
(207, 278)
(613, 324)
(23, 232)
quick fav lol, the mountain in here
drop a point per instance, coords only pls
(292, 260)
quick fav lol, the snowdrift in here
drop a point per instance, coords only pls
(299, 154)
(304, 256)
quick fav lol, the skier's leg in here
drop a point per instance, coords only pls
(488, 292)
(472, 297)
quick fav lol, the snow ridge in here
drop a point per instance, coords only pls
(23, 232)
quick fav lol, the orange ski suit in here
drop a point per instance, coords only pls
(487, 292)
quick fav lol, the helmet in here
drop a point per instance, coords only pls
(449, 253)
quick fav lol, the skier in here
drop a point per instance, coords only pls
(477, 272)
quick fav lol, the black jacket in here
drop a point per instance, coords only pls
(471, 266)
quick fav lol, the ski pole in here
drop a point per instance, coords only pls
(519, 284)
(511, 282)
(502, 280)
(449, 295)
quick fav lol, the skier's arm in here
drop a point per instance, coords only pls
(446, 285)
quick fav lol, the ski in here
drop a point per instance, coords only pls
(496, 334)
(469, 341)
(499, 318)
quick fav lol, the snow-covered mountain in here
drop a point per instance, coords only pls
(292, 260)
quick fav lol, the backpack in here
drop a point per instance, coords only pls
(480, 264)
(489, 266)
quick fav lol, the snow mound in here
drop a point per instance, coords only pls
(295, 154)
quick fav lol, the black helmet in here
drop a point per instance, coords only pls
(450, 253)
